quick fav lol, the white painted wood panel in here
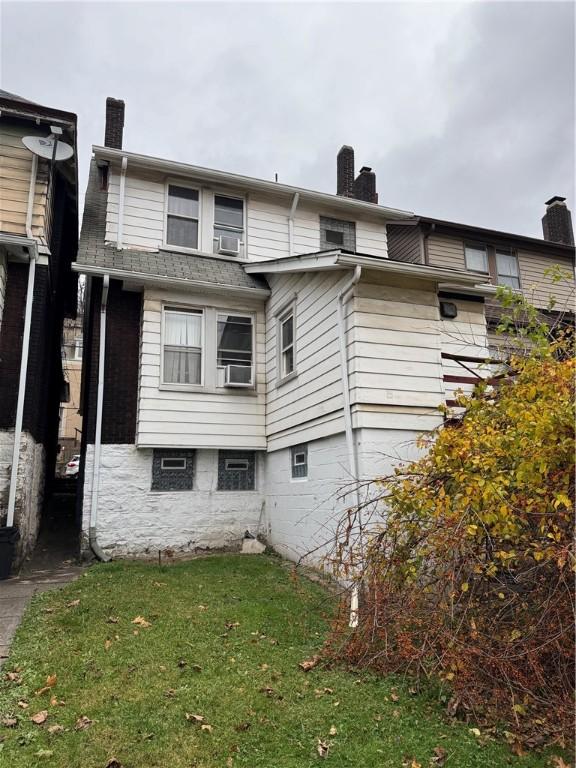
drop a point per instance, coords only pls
(213, 418)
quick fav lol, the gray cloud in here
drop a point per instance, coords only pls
(465, 111)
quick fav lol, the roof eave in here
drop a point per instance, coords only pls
(249, 182)
(173, 282)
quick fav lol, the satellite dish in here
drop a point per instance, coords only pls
(44, 147)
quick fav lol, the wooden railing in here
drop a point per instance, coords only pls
(475, 378)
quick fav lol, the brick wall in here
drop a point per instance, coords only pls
(121, 364)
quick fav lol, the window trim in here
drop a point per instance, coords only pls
(172, 182)
(175, 307)
(295, 451)
(243, 240)
(219, 367)
(289, 310)
(511, 252)
(477, 247)
(244, 468)
(173, 469)
(78, 344)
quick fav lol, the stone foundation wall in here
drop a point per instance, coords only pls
(134, 521)
(29, 489)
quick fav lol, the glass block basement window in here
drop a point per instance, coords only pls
(172, 470)
(236, 470)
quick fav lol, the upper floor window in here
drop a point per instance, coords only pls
(182, 346)
(337, 234)
(228, 224)
(507, 272)
(287, 357)
(182, 217)
(78, 348)
(235, 349)
(476, 258)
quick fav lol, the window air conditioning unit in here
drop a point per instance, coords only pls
(229, 244)
(238, 376)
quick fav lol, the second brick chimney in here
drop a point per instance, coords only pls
(365, 185)
(557, 222)
(114, 123)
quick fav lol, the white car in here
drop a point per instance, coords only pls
(73, 466)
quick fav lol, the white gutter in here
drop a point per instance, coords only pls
(121, 203)
(248, 182)
(352, 455)
(33, 255)
(98, 436)
(291, 224)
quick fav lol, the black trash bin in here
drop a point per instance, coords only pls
(9, 536)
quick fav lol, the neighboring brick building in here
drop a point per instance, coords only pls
(38, 241)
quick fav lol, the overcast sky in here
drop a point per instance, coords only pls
(464, 110)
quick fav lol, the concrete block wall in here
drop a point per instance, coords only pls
(134, 521)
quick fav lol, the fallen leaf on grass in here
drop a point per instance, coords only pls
(23, 704)
(73, 604)
(53, 730)
(323, 748)
(50, 683)
(40, 717)
(10, 722)
(439, 757)
(170, 693)
(112, 620)
(113, 763)
(206, 727)
(107, 645)
(242, 727)
(13, 677)
(194, 718)
(54, 702)
(309, 664)
(43, 753)
(196, 667)
(82, 723)
(558, 762)
(141, 622)
(229, 762)
(332, 730)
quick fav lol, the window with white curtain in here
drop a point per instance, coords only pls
(476, 258)
(182, 217)
(182, 346)
(507, 269)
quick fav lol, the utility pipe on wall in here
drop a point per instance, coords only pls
(98, 435)
(291, 223)
(33, 255)
(31, 193)
(352, 456)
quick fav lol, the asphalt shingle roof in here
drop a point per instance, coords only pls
(93, 251)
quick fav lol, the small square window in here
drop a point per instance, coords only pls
(236, 470)
(299, 460)
(172, 470)
(337, 233)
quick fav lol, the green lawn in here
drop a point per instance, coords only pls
(225, 637)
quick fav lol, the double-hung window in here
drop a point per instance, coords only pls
(507, 272)
(228, 224)
(287, 351)
(476, 258)
(235, 348)
(182, 346)
(183, 213)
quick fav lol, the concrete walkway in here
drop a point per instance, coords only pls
(51, 566)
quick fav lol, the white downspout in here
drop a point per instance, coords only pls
(33, 255)
(352, 457)
(291, 223)
(121, 196)
(22, 383)
(98, 436)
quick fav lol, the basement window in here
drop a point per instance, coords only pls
(172, 470)
(236, 470)
(299, 461)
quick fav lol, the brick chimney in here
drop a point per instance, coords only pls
(557, 222)
(345, 172)
(365, 185)
(114, 123)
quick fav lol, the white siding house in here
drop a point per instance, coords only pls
(276, 355)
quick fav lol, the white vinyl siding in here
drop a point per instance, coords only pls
(208, 417)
